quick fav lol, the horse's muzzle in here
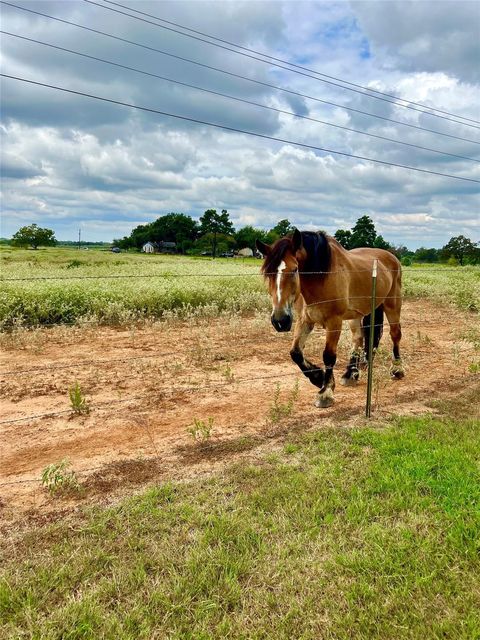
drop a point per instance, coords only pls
(282, 324)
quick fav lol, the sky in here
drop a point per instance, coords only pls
(70, 162)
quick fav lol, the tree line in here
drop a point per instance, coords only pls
(215, 234)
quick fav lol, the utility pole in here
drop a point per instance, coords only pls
(368, 408)
(79, 235)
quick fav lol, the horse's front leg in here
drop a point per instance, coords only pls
(325, 396)
(314, 373)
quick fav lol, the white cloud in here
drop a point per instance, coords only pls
(70, 160)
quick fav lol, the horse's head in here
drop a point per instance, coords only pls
(280, 268)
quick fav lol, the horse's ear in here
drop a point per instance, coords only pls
(297, 240)
(262, 247)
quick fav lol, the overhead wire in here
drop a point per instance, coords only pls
(274, 64)
(236, 98)
(292, 64)
(239, 76)
(238, 130)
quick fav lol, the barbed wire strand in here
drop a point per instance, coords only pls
(125, 359)
(172, 276)
(162, 392)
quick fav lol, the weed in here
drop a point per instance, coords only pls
(57, 477)
(228, 374)
(201, 431)
(474, 367)
(423, 338)
(281, 410)
(74, 264)
(78, 401)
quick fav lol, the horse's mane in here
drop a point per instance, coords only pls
(316, 245)
(319, 253)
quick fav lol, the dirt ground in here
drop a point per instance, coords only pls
(173, 400)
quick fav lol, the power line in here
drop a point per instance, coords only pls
(247, 55)
(237, 130)
(297, 66)
(230, 97)
(239, 76)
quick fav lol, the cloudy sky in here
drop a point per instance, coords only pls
(71, 162)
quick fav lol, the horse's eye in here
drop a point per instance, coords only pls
(294, 271)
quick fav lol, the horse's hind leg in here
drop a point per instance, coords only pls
(392, 311)
(352, 373)
(314, 373)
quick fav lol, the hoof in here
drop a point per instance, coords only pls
(325, 399)
(396, 371)
(348, 382)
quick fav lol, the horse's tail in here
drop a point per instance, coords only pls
(377, 328)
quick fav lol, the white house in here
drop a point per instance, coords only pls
(149, 247)
(159, 247)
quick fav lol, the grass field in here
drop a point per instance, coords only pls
(331, 529)
(344, 533)
(185, 287)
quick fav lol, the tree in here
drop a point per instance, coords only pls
(175, 227)
(461, 248)
(216, 224)
(172, 227)
(426, 255)
(282, 228)
(344, 237)
(363, 233)
(247, 236)
(380, 243)
(34, 236)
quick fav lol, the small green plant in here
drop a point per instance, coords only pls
(228, 374)
(280, 410)
(74, 264)
(424, 338)
(201, 430)
(474, 367)
(77, 400)
(57, 477)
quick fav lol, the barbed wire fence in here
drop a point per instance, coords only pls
(175, 391)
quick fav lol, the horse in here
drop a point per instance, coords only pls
(326, 284)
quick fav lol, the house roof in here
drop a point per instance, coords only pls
(159, 245)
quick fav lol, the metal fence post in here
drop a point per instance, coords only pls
(368, 408)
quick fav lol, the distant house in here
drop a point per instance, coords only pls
(159, 247)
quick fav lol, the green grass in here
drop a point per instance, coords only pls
(174, 293)
(364, 533)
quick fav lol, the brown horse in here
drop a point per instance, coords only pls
(328, 284)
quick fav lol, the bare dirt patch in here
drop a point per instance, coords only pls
(146, 387)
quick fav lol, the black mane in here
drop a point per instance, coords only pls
(317, 248)
(319, 254)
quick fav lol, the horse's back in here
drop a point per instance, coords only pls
(366, 256)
